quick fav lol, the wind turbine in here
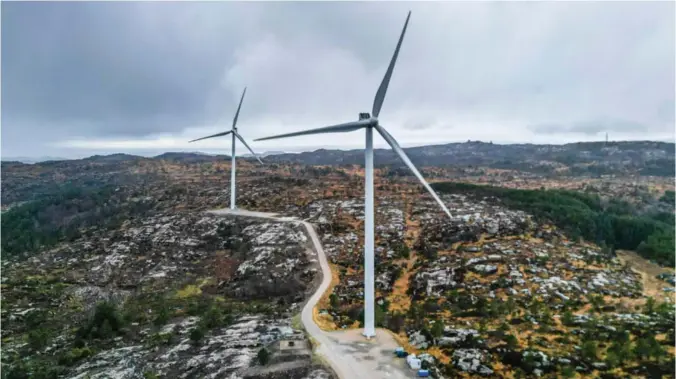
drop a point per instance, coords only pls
(234, 133)
(369, 122)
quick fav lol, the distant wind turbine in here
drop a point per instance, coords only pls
(370, 122)
(234, 133)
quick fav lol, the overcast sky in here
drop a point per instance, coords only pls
(87, 78)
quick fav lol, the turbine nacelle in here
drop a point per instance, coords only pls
(372, 121)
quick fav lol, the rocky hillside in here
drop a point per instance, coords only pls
(111, 265)
(495, 293)
(180, 295)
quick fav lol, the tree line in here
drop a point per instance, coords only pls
(612, 222)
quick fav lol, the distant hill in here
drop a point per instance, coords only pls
(265, 154)
(644, 157)
(581, 158)
(185, 157)
(195, 157)
(31, 160)
(119, 157)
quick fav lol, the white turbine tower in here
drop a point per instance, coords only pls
(370, 122)
(234, 133)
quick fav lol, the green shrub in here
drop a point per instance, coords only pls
(263, 356)
(197, 334)
(162, 316)
(74, 355)
(568, 372)
(38, 338)
(334, 301)
(512, 341)
(106, 322)
(590, 350)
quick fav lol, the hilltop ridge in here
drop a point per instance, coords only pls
(651, 158)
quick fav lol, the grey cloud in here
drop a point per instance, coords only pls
(591, 127)
(106, 65)
(666, 112)
(548, 128)
(595, 127)
(425, 123)
(135, 69)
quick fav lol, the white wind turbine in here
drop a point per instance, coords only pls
(234, 133)
(370, 122)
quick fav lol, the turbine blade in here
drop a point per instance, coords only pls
(212, 136)
(340, 128)
(382, 90)
(397, 149)
(234, 121)
(247, 146)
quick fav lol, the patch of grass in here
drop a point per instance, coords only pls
(76, 304)
(74, 355)
(159, 339)
(314, 344)
(296, 322)
(190, 290)
(318, 359)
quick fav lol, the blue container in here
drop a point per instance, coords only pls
(423, 373)
(401, 354)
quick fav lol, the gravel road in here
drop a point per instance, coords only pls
(350, 354)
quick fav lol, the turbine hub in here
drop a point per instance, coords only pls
(367, 116)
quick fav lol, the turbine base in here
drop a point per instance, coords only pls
(369, 333)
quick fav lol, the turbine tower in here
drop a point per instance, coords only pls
(369, 122)
(234, 133)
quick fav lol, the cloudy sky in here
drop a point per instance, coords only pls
(89, 78)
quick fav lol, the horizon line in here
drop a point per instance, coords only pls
(302, 149)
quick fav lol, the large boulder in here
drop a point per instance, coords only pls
(418, 340)
(458, 337)
(471, 361)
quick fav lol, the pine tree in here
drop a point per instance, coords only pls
(263, 356)
(590, 350)
(567, 318)
(437, 330)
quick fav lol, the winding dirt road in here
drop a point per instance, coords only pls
(350, 355)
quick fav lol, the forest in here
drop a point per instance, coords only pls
(62, 215)
(610, 222)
